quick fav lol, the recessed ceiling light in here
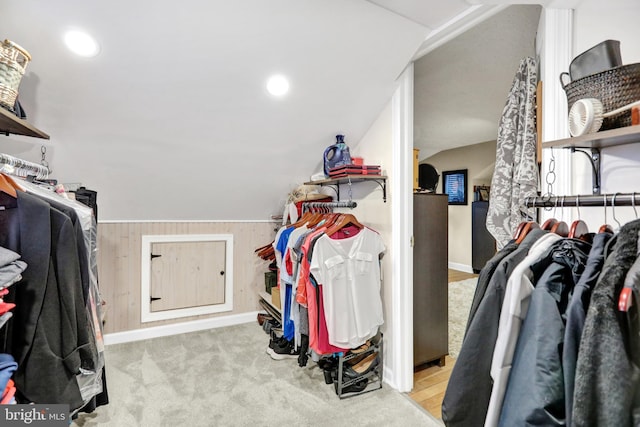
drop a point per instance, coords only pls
(81, 43)
(278, 85)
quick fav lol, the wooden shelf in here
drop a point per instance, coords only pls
(12, 124)
(606, 138)
(381, 180)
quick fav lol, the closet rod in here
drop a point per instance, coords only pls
(319, 205)
(22, 167)
(602, 200)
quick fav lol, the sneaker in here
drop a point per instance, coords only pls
(280, 353)
(280, 342)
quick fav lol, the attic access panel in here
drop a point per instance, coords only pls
(186, 275)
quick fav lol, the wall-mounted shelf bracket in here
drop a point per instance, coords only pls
(334, 183)
(594, 159)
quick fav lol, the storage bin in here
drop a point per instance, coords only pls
(270, 278)
(13, 63)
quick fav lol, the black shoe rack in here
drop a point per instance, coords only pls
(352, 386)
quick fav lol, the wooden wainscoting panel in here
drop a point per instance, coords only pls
(119, 266)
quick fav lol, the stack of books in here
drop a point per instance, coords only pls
(344, 170)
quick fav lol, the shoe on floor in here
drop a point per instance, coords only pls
(362, 367)
(281, 342)
(280, 353)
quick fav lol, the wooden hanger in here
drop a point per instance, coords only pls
(579, 230)
(344, 221)
(561, 228)
(523, 229)
(8, 185)
(605, 228)
(548, 224)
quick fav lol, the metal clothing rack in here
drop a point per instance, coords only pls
(24, 168)
(602, 200)
(326, 207)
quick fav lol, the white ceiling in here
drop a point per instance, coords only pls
(461, 87)
(172, 119)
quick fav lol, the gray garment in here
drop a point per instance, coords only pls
(605, 376)
(11, 267)
(516, 171)
(467, 396)
(535, 390)
(7, 256)
(576, 313)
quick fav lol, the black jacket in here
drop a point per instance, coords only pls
(469, 389)
(485, 276)
(535, 391)
(576, 313)
(49, 332)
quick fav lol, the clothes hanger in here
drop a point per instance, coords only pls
(551, 221)
(579, 229)
(561, 228)
(605, 228)
(527, 226)
(613, 210)
(344, 221)
(8, 185)
(548, 224)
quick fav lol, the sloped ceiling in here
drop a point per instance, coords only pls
(172, 120)
(461, 87)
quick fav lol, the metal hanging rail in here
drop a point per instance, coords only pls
(322, 206)
(602, 200)
(24, 168)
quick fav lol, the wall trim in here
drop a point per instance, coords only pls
(146, 315)
(400, 346)
(460, 267)
(555, 48)
(456, 26)
(179, 328)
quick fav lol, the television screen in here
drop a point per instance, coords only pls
(454, 184)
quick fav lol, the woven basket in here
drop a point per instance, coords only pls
(615, 88)
(13, 62)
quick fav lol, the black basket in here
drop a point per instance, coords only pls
(615, 88)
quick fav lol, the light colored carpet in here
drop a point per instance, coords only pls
(460, 298)
(223, 377)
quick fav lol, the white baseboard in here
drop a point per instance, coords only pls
(460, 267)
(179, 328)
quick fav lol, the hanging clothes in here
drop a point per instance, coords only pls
(576, 314)
(328, 277)
(349, 271)
(514, 310)
(516, 171)
(607, 379)
(467, 396)
(536, 396)
(549, 369)
(49, 333)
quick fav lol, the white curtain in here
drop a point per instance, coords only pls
(516, 174)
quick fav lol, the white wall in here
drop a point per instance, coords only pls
(479, 160)
(596, 21)
(376, 148)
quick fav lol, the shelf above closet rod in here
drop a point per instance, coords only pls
(602, 200)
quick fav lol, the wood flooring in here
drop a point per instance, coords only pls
(429, 384)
